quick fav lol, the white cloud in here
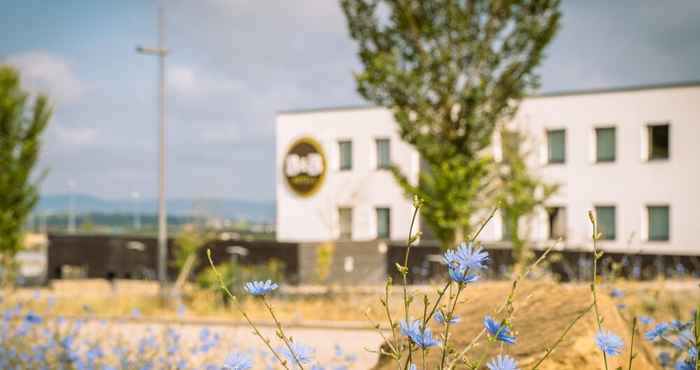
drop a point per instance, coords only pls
(188, 82)
(226, 134)
(48, 73)
(75, 136)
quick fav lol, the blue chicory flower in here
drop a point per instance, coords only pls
(502, 362)
(608, 342)
(657, 331)
(616, 293)
(466, 256)
(32, 318)
(259, 288)
(440, 318)
(499, 332)
(304, 354)
(423, 337)
(684, 365)
(664, 359)
(238, 361)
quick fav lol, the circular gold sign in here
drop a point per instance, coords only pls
(304, 167)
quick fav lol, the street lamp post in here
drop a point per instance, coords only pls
(161, 52)
(71, 207)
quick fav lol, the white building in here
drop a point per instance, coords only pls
(631, 154)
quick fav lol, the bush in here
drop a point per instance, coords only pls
(236, 274)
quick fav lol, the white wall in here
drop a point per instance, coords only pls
(630, 183)
(363, 188)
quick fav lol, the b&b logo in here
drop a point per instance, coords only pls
(304, 167)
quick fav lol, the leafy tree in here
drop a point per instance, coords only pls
(449, 70)
(21, 123)
(520, 192)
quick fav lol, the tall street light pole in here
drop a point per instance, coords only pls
(161, 52)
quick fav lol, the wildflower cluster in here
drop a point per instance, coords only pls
(411, 338)
(677, 341)
(32, 341)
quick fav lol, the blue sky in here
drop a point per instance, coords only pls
(234, 63)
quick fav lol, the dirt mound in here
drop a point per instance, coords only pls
(543, 312)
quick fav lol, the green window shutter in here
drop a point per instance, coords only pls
(556, 145)
(605, 144)
(383, 223)
(659, 227)
(606, 222)
(383, 154)
(345, 155)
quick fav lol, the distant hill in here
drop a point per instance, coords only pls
(261, 211)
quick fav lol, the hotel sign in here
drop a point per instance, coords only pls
(304, 167)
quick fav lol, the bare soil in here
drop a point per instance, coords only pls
(542, 313)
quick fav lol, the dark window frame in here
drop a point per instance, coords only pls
(341, 165)
(668, 220)
(549, 146)
(380, 165)
(604, 233)
(388, 221)
(612, 159)
(549, 210)
(651, 156)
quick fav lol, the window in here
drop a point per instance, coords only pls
(606, 222)
(345, 149)
(658, 141)
(658, 222)
(383, 154)
(556, 146)
(383, 223)
(605, 144)
(345, 220)
(557, 222)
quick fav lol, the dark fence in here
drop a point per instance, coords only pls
(426, 264)
(104, 256)
(136, 257)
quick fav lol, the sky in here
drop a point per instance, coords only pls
(234, 63)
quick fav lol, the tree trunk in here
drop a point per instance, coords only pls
(459, 235)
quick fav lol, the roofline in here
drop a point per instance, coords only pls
(327, 109)
(605, 90)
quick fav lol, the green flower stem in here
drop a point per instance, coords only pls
(696, 332)
(245, 315)
(442, 291)
(404, 273)
(448, 318)
(562, 336)
(508, 301)
(280, 332)
(634, 331)
(596, 257)
(394, 352)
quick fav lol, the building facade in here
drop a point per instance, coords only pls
(630, 154)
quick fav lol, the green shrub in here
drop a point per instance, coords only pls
(236, 274)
